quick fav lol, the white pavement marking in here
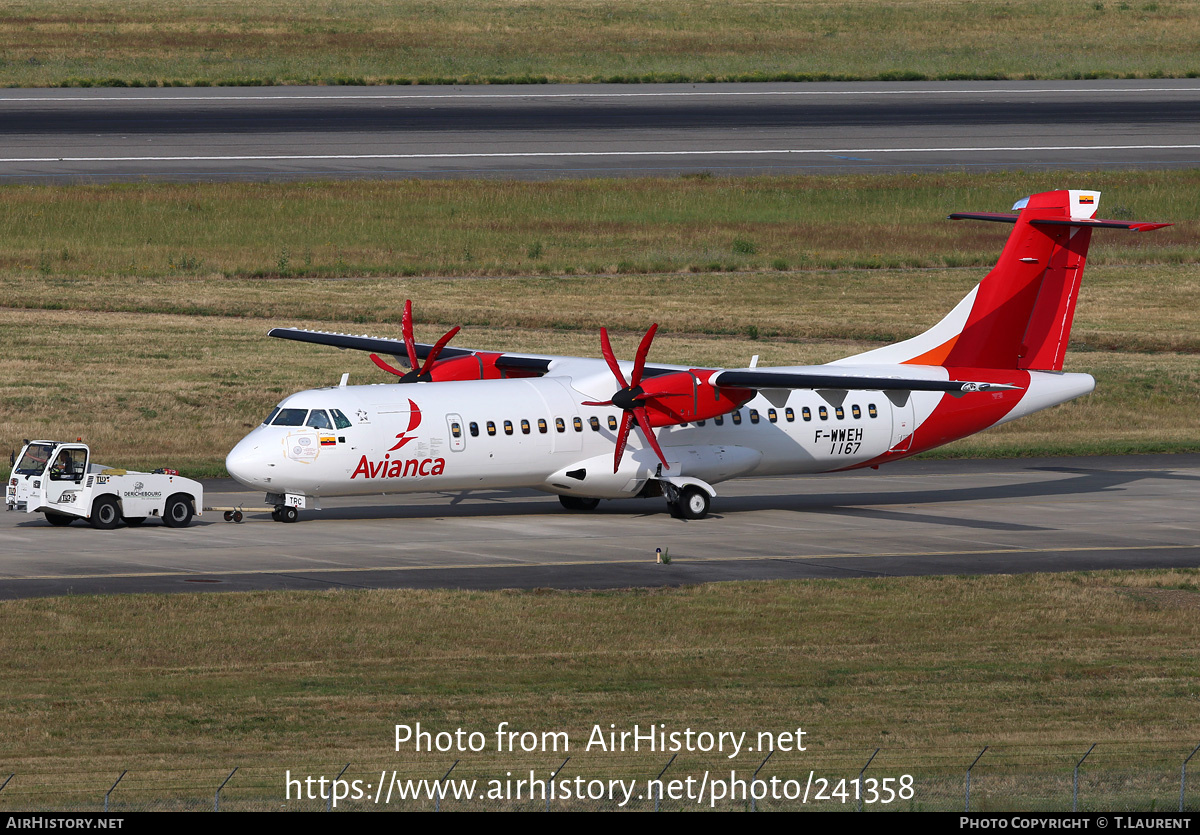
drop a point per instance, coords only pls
(526, 154)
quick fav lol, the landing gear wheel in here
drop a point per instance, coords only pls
(133, 521)
(237, 516)
(578, 503)
(285, 514)
(178, 512)
(106, 514)
(59, 519)
(692, 504)
(227, 516)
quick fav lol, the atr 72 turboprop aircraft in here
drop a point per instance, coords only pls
(480, 419)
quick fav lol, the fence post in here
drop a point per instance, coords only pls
(753, 805)
(1182, 777)
(550, 782)
(217, 796)
(329, 800)
(658, 779)
(1075, 796)
(860, 774)
(114, 785)
(981, 753)
(437, 800)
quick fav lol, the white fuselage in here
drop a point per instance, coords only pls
(536, 432)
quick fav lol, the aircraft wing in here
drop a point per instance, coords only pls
(833, 378)
(529, 363)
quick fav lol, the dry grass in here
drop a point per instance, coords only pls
(284, 41)
(930, 669)
(629, 226)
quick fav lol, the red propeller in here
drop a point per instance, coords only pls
(631, 398)
(418, 372)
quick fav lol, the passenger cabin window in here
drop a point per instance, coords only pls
(806, 413)
(754, 415)
(340, 420)
(612, 422)
(790, 414)
(542, 425)
(823, 412)
(474, 427)
(491, 427)
(840, 412)
(699, 423)
(578, 424)
(771, 416)
(317, 419)
(290, 417)
(871, 410)
(508, 427)
(456, 429)
(737, 417)
(524, 427)
(594, 422)
(857, 412)
(560, 425)
(719, 420)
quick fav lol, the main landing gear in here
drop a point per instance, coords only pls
(689, 503)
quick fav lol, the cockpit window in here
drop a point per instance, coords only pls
(290, 417)
(33, 462)
(339, 419)
(271, 416)
(317, 419)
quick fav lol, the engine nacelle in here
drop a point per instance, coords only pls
(684, 397)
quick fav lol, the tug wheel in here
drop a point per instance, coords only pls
(106, 514)
(178, 512)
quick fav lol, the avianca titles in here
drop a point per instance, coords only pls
(589, 429)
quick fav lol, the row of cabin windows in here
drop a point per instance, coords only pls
(560, 425)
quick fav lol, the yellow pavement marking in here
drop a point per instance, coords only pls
(550, 564)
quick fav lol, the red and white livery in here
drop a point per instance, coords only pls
(590, 429)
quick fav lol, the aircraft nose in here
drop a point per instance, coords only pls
(246, 462)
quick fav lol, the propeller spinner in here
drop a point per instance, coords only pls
(419, 373)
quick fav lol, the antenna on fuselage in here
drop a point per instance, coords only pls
(345, 378)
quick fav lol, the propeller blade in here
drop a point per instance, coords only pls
(643, 420)
(387, 367)
(610, 358)
(639, 362)
(406, 328)
(437, 349)
(622, 439)
(594, 403)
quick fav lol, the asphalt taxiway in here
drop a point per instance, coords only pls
(909, 518)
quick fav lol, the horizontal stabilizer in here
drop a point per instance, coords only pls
(1094, 223)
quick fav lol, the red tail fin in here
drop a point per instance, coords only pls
(1020, 315)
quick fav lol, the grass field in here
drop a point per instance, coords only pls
(929, 669)
(130, 311)
(143, 42)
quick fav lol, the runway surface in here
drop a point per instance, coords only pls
(54, 135)
(912, 518)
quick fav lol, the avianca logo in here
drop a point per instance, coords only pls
(387, 468)
(414, 420)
